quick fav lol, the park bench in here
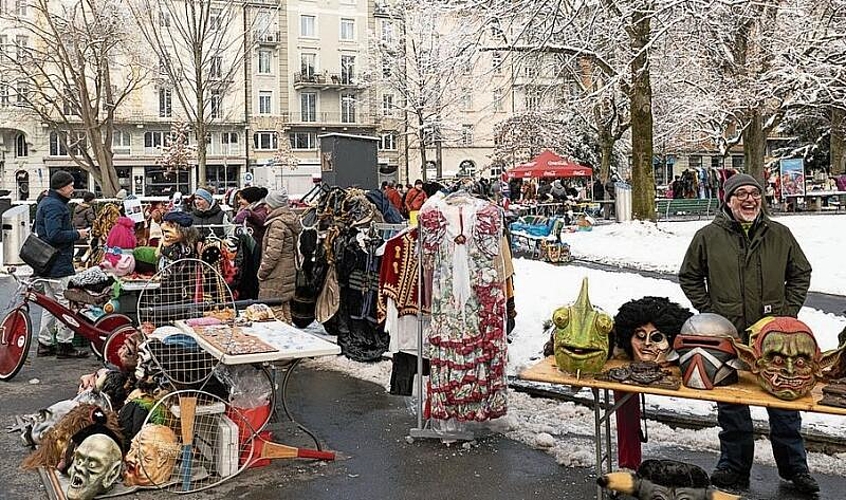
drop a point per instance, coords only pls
(686, 207)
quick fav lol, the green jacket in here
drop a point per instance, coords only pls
(745, 278)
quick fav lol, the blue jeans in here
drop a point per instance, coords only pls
(737, 443)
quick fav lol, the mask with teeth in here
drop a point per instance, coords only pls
(96, 467)
(784, 355)
(151, 457)
(581, 335)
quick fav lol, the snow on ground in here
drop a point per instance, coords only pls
(661, 247)
(564, 429)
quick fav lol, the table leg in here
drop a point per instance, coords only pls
(597, 439)
(606, 406)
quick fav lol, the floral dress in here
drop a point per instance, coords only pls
(461, 239)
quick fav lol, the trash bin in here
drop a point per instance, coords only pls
(5, 204)
(15, 231)
(623, 203)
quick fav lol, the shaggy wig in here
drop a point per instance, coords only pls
(668, 317)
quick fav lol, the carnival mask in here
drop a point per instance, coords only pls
(706, 356)
(151, 457)
(649, 344)
(96, 467)
(581, 335)
(664, 480)
(784, 355)
(171, 233)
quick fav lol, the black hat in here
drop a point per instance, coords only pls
(253, 194)
(60, 179)
(736, 181)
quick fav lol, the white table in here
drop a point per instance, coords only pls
(290, 343)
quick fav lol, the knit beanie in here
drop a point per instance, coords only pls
(277, 198)
(60, 179)
(122, 234)
(202, 193)
(737, 180)
(253, 194)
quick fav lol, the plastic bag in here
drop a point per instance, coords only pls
(248, 386)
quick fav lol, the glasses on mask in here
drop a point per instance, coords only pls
(744, 195)
(655, 337)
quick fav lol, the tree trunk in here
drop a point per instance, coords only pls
(439, 159)
(606, 150)
(754, 141)
(643, 178)
(838, 141)
(421, 138)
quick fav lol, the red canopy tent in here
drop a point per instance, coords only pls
(549, 165)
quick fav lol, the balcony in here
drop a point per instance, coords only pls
(326, 81)
(267, 37)
(330, 119)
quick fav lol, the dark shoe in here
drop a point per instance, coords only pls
(804, 483)
(68, 351)
(45, 350)
(729, 479)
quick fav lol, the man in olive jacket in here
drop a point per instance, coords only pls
(745, 266)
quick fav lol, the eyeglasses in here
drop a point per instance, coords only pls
(744, 195)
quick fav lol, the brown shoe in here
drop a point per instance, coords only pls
(45, 350)
(68, 351)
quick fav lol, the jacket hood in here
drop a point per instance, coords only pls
(284, 214)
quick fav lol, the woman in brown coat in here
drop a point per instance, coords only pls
(277, 272)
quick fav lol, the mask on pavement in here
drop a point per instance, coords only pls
(96, 467)
(151, 456)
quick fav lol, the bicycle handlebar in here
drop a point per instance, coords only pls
(20, 280)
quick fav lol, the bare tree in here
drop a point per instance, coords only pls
(200, 47)
(74, 65)
(422, 62)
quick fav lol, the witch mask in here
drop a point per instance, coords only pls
(581, 335)
(784, 355)
(664, 480)
(96, 467)
(706, 356)
(151, 457)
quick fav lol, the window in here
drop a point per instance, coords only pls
(347, 108)
(80, 178)
(229, 143)
(216, 104)
(347, 30)
(265, 141)
(467, 99)
(387, 31)
(308, 107)
(530, 68)
(21, 93)
(165, 103)
(21, 147)
(164, 19)
(153, 142)
(4, 42)
(265, 102)
(497, 99)
(533, 100)
(496, 31)
(308, 66)
(69, 107)
(387, 104)
(216, 67)
(303, 140)
(21, 47)
(4, 94)
(388, 142)
(164, 62)
(347, 70)
(387, 68)
(162, 181)
(20, 7)
(716, 162)
(496, 62)
(737, 162)
(695, 161)
(57, 147)
(307, 26)
(74, 142)
(121, 141)
(222, 177)
(467, 135)
(467, 65)
(264, 59)
(215, 21)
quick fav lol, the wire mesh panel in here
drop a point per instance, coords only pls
(186, 288)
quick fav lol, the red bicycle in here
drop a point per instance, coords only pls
(106, 334)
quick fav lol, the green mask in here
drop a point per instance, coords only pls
(581, 335)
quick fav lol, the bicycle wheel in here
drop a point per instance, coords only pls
(15, 339)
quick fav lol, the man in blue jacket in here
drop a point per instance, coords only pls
(53, 225)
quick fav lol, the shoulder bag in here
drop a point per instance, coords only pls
(38, 254)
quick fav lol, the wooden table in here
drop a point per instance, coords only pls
(746, 391)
